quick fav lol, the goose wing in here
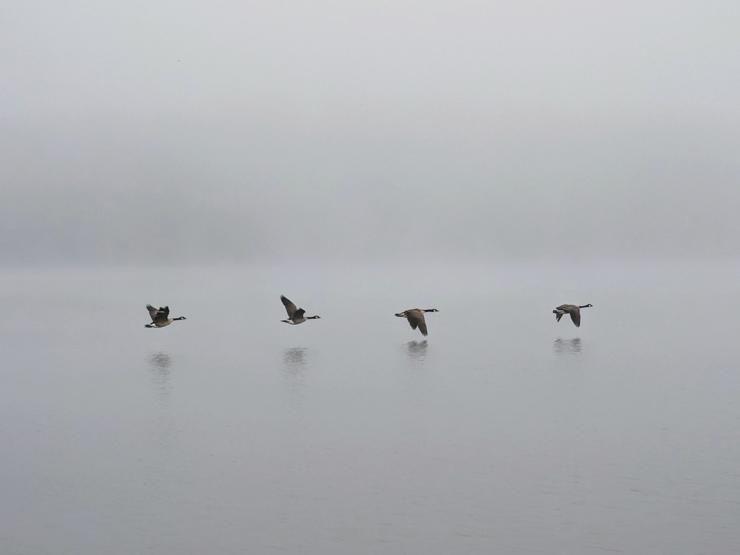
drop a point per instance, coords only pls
(423, 326)
(573, 310)
(290, 308)
(298, 314)
(158, 314)
(575, 315)
(416, 319)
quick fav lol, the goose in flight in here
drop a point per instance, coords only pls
(161, 316)
(573, 309)
(295, 315)
(415, 316)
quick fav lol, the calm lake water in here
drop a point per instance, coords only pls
(503, 432)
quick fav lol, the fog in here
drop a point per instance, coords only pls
(488, 159)
(276, 131)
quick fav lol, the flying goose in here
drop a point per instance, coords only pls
(161, 316)
(573, 309)
(295, 315)
(415, 316)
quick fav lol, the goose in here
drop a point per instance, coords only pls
(295, 315)
(415, 316)
(161, 316)
(573, 309)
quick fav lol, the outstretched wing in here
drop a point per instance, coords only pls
(298, 314)
(158, 314)
(575, 315)
(290, 308)
(416, 319)
(559, 315)
(423, 326)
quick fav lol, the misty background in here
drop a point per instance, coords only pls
(489, 159)
(237, 131)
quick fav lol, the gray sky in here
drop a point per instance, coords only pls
(181, 131)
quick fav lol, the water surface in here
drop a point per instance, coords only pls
(502, 432)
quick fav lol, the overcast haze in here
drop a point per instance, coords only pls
(236, 131)
(488, 159)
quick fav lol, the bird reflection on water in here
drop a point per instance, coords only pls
(164, 431)
(570, 346)
(160, 364)
(294, 357)
(416, 350)
(294, 365)
(161, 361)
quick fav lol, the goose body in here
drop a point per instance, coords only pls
(573, 309)
(161, 316)
(295, 315)
(415, 317)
